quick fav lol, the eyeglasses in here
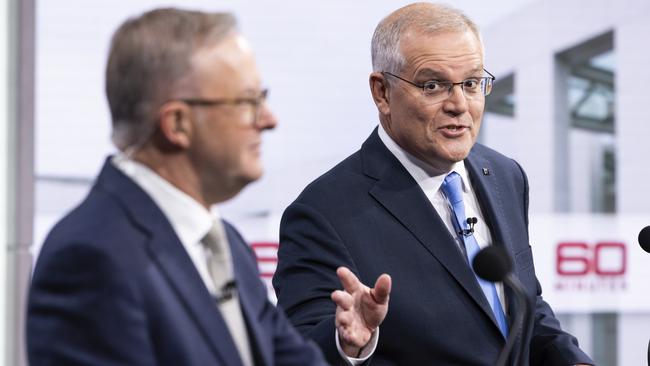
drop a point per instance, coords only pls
(253, 103)
(437, 91)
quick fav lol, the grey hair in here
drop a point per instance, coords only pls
(149, 55)
(424, 17)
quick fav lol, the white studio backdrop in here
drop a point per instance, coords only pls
(314, 56)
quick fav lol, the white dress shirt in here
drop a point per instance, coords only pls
(430, 184)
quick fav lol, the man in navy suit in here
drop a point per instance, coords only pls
(395, 206)
(142, 272)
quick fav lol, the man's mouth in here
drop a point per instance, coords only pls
(455, 127)
(453, 131)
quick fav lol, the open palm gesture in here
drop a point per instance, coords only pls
(359, 309)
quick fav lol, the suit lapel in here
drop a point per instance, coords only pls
(258, 337)
(486, 183)
(172, 259)
(182, 275)
(398, 192)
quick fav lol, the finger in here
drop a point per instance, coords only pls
(342, 299)
(381, 291)
(350, 282)
(350, 338)
(343, 319)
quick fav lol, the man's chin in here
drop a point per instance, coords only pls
(459, 153)
(252, 175)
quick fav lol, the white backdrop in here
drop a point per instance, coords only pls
(314, 56)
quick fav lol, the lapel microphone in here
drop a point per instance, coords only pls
(471, 221)
(227, 292)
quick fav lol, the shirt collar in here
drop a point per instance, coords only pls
(190, 220)
(420, 170)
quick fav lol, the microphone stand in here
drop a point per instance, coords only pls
(493, 264)
(518, 323)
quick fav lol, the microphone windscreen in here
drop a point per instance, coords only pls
(644, 238)
(492, 264)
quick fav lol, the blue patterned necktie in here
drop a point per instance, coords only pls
(452, 188)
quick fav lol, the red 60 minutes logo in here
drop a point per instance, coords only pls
(581, 259)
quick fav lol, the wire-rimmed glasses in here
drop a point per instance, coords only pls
(437, 91)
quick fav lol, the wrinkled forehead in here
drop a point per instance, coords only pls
(443, 41)
(447, 50)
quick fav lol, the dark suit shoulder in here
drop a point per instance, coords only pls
(96, 220)
(96, 238)
(91, 239)
(85, 287)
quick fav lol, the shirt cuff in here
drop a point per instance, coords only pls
(366, 352)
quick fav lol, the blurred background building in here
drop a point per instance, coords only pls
(569, 104)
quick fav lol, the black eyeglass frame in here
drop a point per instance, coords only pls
(254, 102)
(449, 84)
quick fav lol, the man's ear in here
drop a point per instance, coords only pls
(176, 124)
(379, 88)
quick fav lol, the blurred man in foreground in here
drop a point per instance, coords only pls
(142, 272)
(401, 206)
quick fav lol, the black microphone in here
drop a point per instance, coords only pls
(227, 292)
(471, 221)
(494, 264)
(644, 238)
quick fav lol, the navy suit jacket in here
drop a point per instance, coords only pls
(113, 285)
(370, 215)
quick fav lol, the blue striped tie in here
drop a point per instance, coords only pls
(452, 188)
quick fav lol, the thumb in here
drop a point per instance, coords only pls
(381, 291)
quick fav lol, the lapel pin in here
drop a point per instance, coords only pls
(486, 171)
